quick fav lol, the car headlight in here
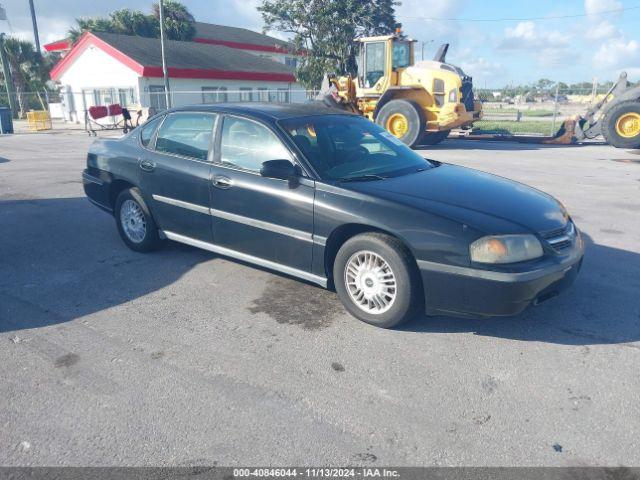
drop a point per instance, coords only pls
(505, 249)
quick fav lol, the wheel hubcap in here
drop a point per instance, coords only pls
(370, 282)
(398, 125)
(133, 221)
(628, 125)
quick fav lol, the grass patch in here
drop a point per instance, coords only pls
(511, 128)
(513, 111)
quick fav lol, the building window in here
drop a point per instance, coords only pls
(214, 94)
(291, 62)
(103, 96)
(263, 95)
(246, 94)
(126, 96)
(283, 95)
(157, 99)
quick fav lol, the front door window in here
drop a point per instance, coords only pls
(374, 59)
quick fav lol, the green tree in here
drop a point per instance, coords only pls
(178, 22)
(133, 22)
(326, 29)
(26, 73)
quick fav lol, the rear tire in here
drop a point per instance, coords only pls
(135, 224)
(621, 125)
(404, 119)
(377, 280)
(433, 138)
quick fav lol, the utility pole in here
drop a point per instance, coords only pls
(555, 108)
(165, 73)
(36, 36)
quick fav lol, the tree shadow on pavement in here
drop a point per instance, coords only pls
(62, 259)
(601, 307)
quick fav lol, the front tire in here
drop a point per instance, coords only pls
(404, 119)
(135, 224)
(377, 280)
(621, 125)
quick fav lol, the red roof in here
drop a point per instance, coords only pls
(184, 59)
(58, 46)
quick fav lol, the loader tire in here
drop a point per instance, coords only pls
(433, 138)
(404, 119)
(621, 125)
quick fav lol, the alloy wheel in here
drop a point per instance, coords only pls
(370, 282)
(133, 221)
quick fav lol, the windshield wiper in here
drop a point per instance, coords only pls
(362, 178)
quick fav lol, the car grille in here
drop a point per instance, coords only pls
(561, 238)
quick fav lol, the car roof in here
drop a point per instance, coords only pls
(267, 111)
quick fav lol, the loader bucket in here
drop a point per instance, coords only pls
(565, 134)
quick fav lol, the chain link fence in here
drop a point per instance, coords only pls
(505, 111)
(534, 111)
(70, 110)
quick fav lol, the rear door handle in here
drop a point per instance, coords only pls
(221, 181)
(146, 165)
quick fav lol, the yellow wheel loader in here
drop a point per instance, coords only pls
(616, 117)
(419, 103)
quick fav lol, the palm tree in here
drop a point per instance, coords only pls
(179, 23)
(23, 63)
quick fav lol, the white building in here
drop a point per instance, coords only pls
(105, 68)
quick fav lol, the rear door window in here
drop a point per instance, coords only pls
(187, 135)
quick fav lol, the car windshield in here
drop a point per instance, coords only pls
(350, 148)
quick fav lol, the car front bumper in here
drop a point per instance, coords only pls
(470, 292)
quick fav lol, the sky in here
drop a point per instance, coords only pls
(520, 48)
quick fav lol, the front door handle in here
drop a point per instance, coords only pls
(146, 165)
(221, 181)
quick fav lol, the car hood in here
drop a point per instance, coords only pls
(472, 190)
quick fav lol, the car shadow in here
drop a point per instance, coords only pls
(601, 307)
(507, 145)
(62, 259)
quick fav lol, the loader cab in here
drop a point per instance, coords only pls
(379, 61)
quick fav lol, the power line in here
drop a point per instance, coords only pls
(602, 12)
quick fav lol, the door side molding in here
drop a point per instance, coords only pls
(294, 272)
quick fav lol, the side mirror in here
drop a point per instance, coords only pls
(282, 169)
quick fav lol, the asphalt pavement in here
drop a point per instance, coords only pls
(181, 357)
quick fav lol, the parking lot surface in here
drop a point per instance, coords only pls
(181, 357)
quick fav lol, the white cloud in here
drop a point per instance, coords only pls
(618, 53)
(602, 30)
(527, 35)
(550, 48)
(593, 7)
(409, 12)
